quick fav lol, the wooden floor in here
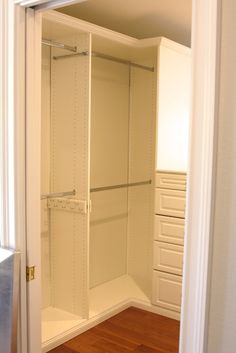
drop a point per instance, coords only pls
(133, 330)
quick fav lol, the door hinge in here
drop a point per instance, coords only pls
(30, 273)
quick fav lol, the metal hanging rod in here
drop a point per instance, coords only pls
(58, 194)
(51, 43)
(105, 57)
(120, 186)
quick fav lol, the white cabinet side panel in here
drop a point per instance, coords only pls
(141, 168)
(45, 175)
(173, 110)
(69, 170)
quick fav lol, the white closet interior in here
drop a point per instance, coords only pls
(100, 99)
(98, 130)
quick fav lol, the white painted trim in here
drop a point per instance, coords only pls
(46, 4)
(150, 42)
(3, 115)
(7, 158)
(52, 4)
(115, 36)
(200, 184)
(12, 166)
(20, 206)
(84, 26)
(33, 154)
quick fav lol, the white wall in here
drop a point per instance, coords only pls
(222, 320)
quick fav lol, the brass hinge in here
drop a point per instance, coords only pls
(30, 273)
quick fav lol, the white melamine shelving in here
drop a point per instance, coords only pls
(56, 322)
(113, 293)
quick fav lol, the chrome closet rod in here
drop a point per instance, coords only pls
(106, 57)
(119, 186)
(54, 44)
(57, 194)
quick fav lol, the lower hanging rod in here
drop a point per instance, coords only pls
(120, 186)
(58, 194)
(105, 57)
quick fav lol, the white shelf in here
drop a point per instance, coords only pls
(110, 294)
(56, 322)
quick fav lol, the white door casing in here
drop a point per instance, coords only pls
(33, 143)
(42, 5)
(201, 176)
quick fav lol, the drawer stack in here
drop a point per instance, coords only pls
(170, 196)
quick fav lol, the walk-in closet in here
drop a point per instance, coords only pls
(109, 102)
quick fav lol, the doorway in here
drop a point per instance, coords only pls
(116, 83)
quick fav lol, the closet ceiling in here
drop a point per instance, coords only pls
(140, 19)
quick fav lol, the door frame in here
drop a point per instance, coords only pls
(201, 172)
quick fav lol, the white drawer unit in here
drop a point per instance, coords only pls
(168, 249)
(168, 258)
(170, 202)
(167, 180)
(167, 290)
(169, 230)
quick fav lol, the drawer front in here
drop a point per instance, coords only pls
(167, 290)
(172, 181)
(168, 258)
(169, 230)
(170, 202)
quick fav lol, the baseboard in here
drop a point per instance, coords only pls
(87, 324)
(155, 309)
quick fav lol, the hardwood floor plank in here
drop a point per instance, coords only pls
(138, 336)
(115, 338)
(62, 349)
(111, 347)
(131, 331)
(144, 349)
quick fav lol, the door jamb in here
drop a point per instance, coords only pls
(206, 28)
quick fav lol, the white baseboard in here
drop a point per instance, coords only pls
(87, 324)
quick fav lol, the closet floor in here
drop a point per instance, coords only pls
(132, 330)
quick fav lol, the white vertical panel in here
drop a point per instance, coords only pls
(141, 167)
(109, 166)
(45, 175)
(173, 110)
(70, 114)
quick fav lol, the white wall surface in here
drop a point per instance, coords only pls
(222, 320)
